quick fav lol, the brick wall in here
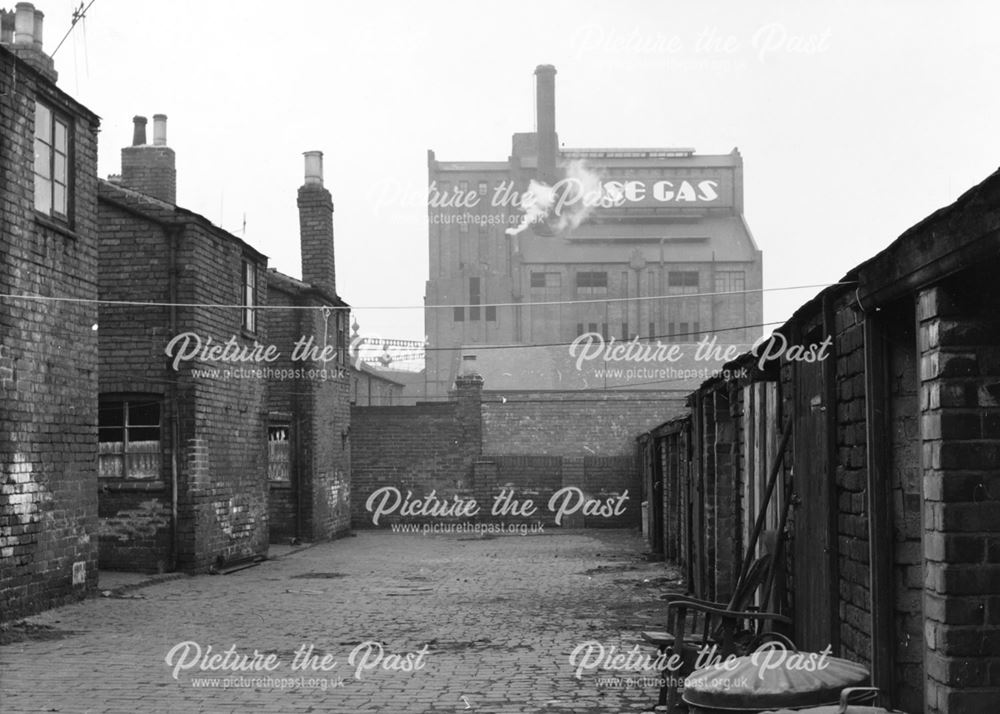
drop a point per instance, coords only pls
(854, 605)
(48, 361)
(959, 340)
(224, 500)
(422, 448)
(567, 423)
(478, 444)
(324, 414)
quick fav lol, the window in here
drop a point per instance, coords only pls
(684, 281)
(625, 335)
(604, 330)
(491, 313)
(459, 314)
(279, 454)
(483, 188)
(652, 329)
(342, 319)
(591, 283)
(249, 296)
(546, 280)
(591, 327)
(730, 281)
(129, 437)
(475, 297)
(51, 163)
(579, 329)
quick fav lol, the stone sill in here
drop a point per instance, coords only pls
(61, 228)
(131, 485)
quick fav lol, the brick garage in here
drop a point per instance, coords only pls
(48, 349)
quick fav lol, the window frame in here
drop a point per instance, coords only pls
(126, 402)
(248, 295)
(56, 118)
(475, 298)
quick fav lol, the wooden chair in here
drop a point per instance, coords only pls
(696, 626)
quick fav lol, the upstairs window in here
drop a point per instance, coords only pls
(591, 283)
(52, 139)
(249, 296)
(475, 298)
(730, 281)
(682, 281)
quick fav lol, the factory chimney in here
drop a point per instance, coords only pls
(548, 140)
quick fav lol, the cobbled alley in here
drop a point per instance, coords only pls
(380, 622)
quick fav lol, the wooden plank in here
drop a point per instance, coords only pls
(814, 588)
(829, 369)
(879, 516)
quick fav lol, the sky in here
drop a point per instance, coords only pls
(855, 119)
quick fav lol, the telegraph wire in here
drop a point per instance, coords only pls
(670, 338)
(79, 14)
(141, 303)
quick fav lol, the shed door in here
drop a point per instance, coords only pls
(813, 545)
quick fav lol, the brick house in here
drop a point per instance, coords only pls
(309, 418)
(183, 453)
(48, 347)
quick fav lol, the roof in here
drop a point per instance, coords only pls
(29, 70)
(377, 374)
(294, 285)
(164, 213)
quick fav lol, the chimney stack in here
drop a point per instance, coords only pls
(545, 105)
(150, 169)
(316, 227)
(21, 33)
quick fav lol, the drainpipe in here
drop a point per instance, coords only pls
(173, 234)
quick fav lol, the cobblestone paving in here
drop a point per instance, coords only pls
(499, 618)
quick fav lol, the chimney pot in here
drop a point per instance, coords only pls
(39, 18)
(6, 27)
(138, 131)
(24, 24)
(314, 168)
(159, 130)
